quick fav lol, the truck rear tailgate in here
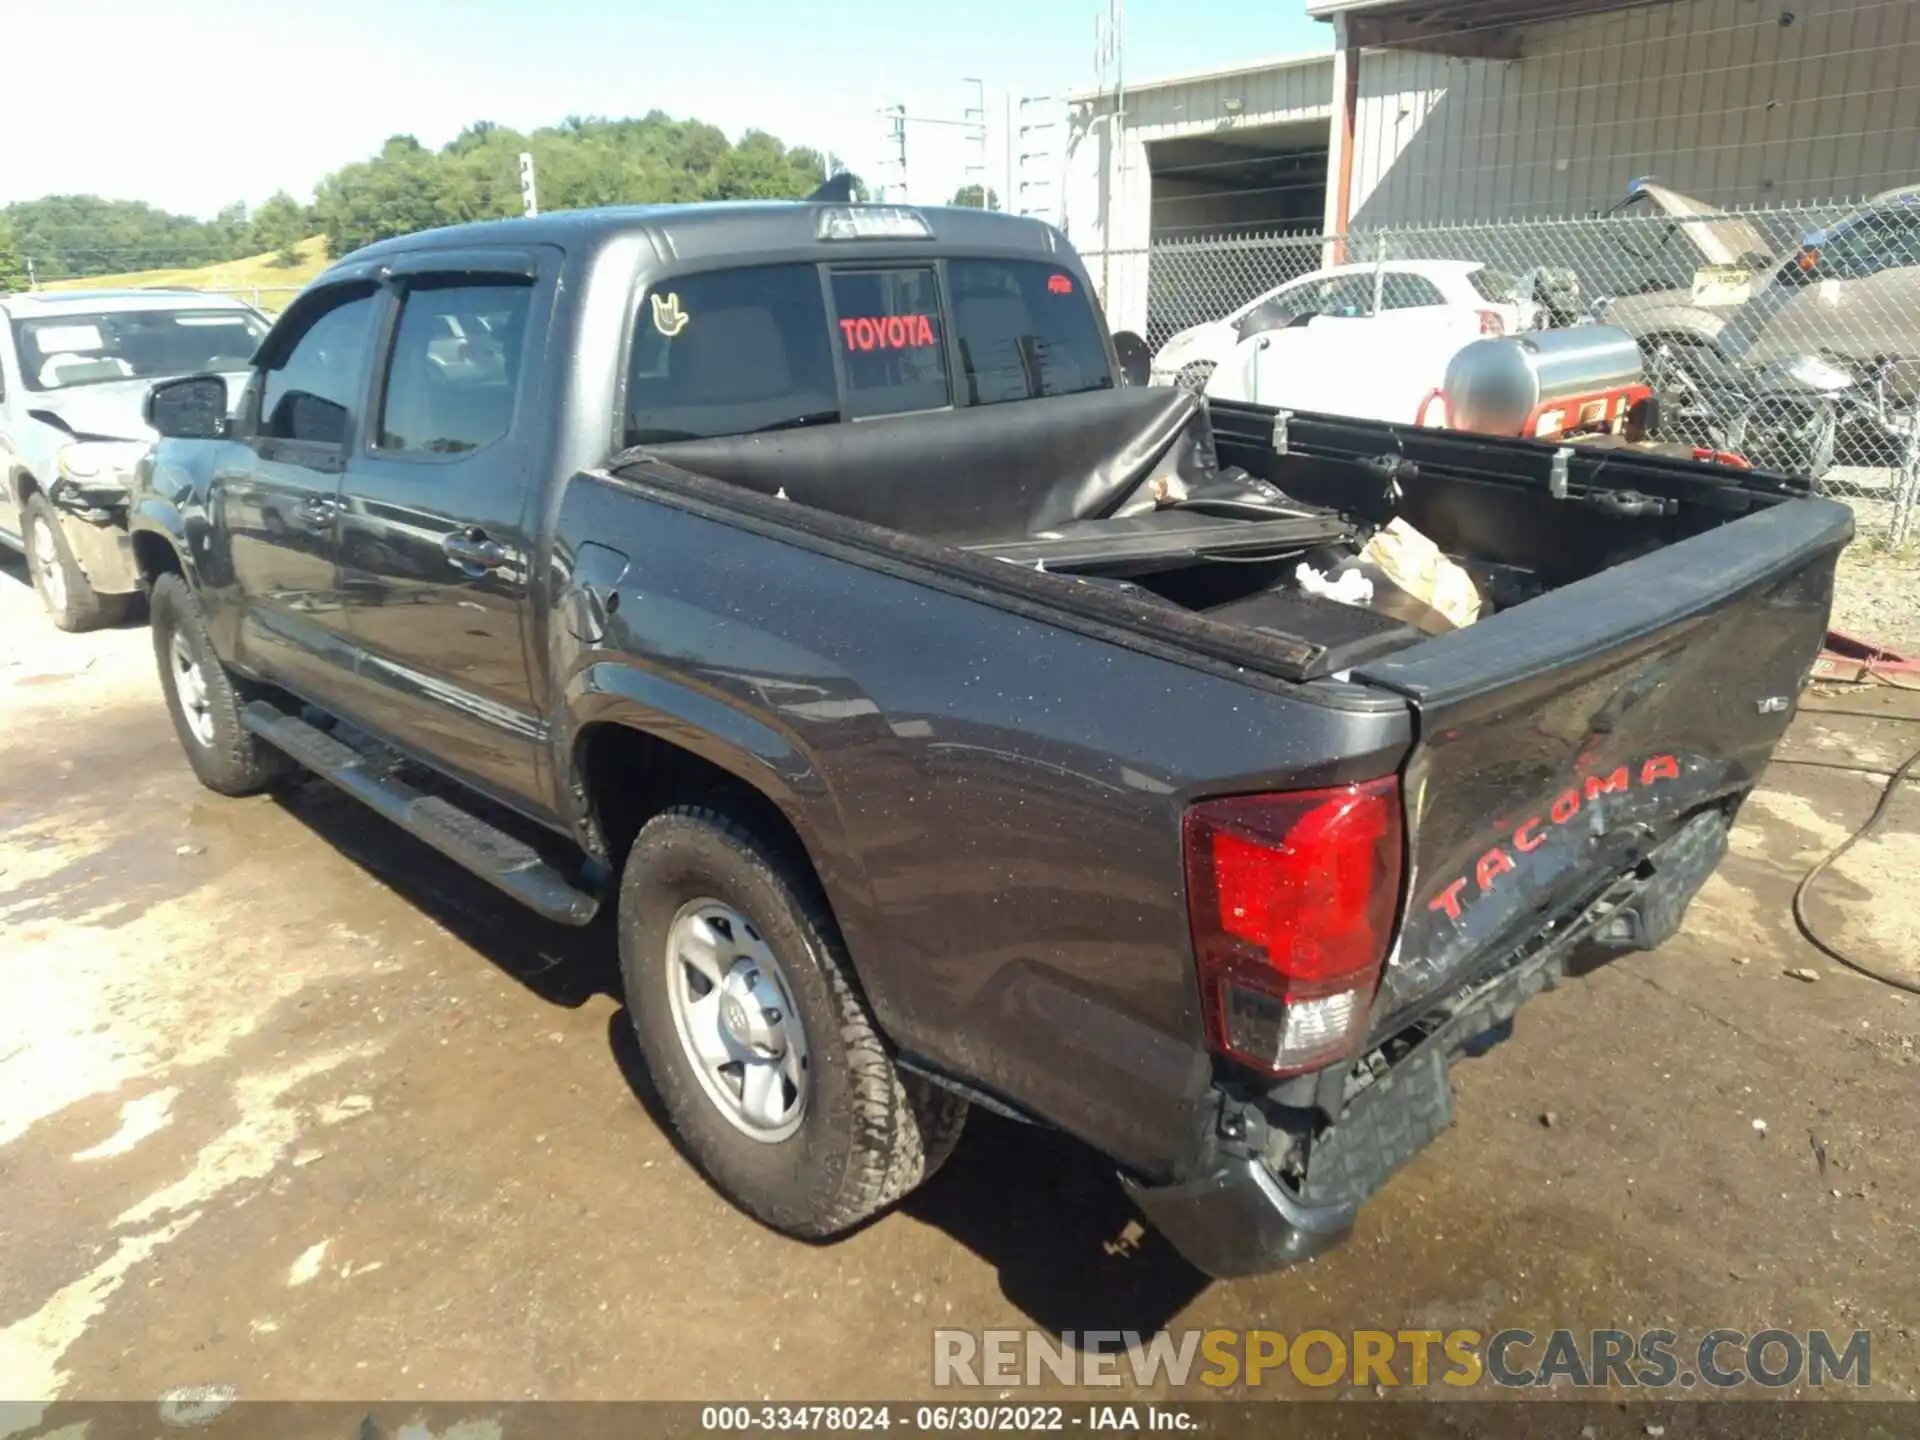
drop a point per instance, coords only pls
(1561, 741)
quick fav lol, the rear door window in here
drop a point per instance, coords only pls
(1403, 290)
(892, 340)
(1887, 241)
(1026, 330)
(455, 370)
(1494, 285)
(731, 352)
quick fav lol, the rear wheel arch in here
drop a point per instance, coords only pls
(624, 774)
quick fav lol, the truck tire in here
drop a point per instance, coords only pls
(757, 1039)
(205, 700)
(69, 597)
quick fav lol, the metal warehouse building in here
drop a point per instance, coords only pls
(1432, 111)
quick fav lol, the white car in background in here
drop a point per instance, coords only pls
(1341, 332)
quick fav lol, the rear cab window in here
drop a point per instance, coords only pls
(1026, 330)
(750, 349)
(731, 352)
(892, 339)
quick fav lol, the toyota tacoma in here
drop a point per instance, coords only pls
(946, 717)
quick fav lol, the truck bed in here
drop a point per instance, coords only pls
(1078, 488)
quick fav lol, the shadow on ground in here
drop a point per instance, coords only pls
(562, 965)
(1046, 1212)
(1049, 1215)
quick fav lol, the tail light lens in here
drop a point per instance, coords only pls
(1292, 899)
(1492, 323)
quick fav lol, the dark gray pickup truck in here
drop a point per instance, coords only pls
(948, 719)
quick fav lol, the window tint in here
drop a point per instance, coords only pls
(731, 352)
(311, 395)
(891, 333)
(1336, 296)
(1887, 241)
(1402, 290)
(1494, 285)
(455, 368)
(1026, 330)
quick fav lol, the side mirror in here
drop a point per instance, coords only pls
(1136, 360)
(193, 407)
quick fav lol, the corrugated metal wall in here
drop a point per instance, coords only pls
(1735, 101)
(1286, 92)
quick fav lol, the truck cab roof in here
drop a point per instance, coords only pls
(738, 229)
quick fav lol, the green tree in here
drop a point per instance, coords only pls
(13, 265)
(976, 197)
(80, 235)
(583, 161)
(280, 225)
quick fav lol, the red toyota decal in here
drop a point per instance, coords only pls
(1532, 832)
(887, 332)
(1060, 284)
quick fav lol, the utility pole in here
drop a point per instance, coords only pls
(975, 117)
(897, 120)
(1109, 60)
(529, 197)
(33, 281)
(1032, 183)
(893, 155)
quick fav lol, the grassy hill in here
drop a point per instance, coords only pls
(276, 284)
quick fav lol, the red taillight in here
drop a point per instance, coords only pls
(1492, 323)
(1292, 900)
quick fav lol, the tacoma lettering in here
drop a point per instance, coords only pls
(1532, 832)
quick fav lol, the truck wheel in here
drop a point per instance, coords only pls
(764, 1053)
(205, 700)
(63, 587)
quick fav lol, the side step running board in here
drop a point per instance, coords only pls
(489, 852)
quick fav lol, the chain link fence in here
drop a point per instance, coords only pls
(270, 298)
(1790, 335)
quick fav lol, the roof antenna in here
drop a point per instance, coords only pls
(837, 191)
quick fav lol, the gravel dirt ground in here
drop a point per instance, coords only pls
(1877, 596)
(289, 1104)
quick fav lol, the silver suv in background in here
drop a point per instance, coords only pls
(1794, 355)
(74, 371)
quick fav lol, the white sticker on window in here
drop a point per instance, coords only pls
(668, 318)
(68, 338)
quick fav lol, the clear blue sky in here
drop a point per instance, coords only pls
(190, 104)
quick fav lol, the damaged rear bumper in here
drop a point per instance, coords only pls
(1240, 1218)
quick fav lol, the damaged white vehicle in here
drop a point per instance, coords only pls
(74, 371)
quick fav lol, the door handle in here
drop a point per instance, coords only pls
(315, 515)
(473, 551)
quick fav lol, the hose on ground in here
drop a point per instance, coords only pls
(1833, 952)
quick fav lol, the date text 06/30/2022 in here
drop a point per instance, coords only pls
(938, 1419)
